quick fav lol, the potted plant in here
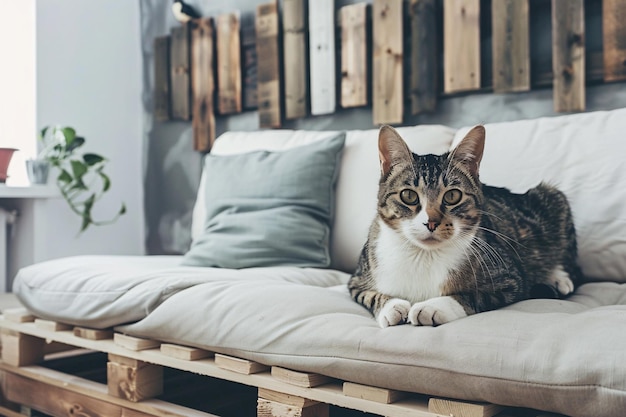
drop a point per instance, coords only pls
(81, 178)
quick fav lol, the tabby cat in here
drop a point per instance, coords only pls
(443, 245)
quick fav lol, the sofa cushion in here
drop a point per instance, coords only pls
(581, 154)
(268, 208)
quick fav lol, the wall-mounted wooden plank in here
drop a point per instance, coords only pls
(461, 45)
(162, 78)
(295, 59)
(180, 79)
(354, 62)
(268, 61)
(249, 61)
(322, 56)
(568, 55)
(511, 57)
(203, 84)
(388, 98)
(228, 63)
(614, 39)
(424, 56)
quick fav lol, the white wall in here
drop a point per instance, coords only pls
(17, 84)
(89, 76)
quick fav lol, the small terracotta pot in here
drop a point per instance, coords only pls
(5, 159)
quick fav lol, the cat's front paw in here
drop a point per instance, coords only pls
(436, 311)
(560, 280)
(394, 312)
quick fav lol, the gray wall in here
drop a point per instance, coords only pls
(173, 168)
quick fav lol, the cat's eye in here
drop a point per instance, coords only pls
(452, 196)
(409, 197)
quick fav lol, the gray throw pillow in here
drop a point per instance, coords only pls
(269, 208)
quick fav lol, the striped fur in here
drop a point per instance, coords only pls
(444, 246)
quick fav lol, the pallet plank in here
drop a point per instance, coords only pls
(283, 398)
(268, 62)
(19, 349)
(162, 78)
(511, 57)
(242, 366)
(180, 77)
(302, 379)
(424, 56)
(184, 352)
(267, 408)
(354, 62)
(613, 35)
(134, 343)
(463, 408)
(18, 315)
(203, 84)
(133, 380)
(461, 45)
(322, 56)
(387, 72)
(52, 326)
(295, 59)
(568, 55)
(379, 395)
(93, 334)
(249, 62)
(228, 63)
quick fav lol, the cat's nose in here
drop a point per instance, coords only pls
(431, 226)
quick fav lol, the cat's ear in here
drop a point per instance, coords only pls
(470, 150)
(392, 149)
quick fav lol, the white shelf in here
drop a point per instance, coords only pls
(33, 191)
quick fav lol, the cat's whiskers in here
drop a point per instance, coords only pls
(478, 250)
(505, 238)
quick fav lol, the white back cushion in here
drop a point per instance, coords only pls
(584, 155)
(357, 185)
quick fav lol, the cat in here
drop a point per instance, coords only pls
(444, 246)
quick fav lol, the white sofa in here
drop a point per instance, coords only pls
(565, 356)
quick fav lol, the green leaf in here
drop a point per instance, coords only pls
(92, 159)
(76, 143)
(69, 134)
(87, 212)
(64, 176)
(43, 131)
(122, 209)
(78, 168)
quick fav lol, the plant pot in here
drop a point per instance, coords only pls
(5, 159)
(37, 171)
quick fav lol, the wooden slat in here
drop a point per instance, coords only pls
(52, 325)
(228, 63)
(302, 379)
(322, 56)
(424, 56)
(203, 84)
(614, 39)
(249, 62)
(20, 349)
(568, 55)
(267, 408)
(379, 395)
(295, 59)
(463, 408)
(388, 77)
(511, 57)
(354, 59)
(242, 366)
(461, 45)
(280, 397)
(134, 343)
(18, 315)
(180, 79)
(93, 334)
(268, 61)
(184, 352)
(134, 382)
(162, 78)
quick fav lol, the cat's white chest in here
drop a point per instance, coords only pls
(410, 273)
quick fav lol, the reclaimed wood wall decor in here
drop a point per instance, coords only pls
(203, 84)
(281, 59)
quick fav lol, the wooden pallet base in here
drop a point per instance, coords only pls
(132, 377)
